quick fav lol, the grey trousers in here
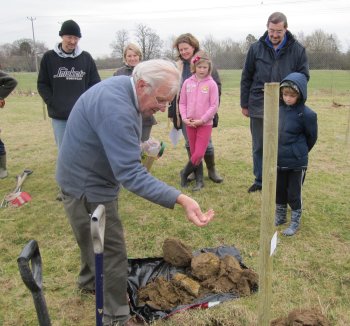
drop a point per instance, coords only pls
(115, 265)
(257, 131)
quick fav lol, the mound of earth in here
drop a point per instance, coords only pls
(207, 273)
(302, 317)
(163, 295)
(176, 253)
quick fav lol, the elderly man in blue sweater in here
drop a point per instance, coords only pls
(99, 153)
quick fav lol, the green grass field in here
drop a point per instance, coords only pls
(311, 269)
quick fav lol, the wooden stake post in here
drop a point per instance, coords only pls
(267, 229)
(347, 136)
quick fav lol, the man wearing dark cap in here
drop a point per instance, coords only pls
(65, 73)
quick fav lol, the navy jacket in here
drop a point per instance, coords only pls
(262, 66)
(297, 130)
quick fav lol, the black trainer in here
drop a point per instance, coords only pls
(254, 187)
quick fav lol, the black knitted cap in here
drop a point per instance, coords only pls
(70, 27)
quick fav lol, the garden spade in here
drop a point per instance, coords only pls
(98, 222)
(32, 278)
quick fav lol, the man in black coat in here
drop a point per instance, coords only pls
(275, 55)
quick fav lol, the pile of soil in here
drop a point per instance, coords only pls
(302, 317)
(177, 253)
(207, 273)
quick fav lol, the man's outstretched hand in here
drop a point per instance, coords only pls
(193, 211)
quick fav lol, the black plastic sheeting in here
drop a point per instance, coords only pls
(144, 270)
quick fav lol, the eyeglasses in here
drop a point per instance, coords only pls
(162, 103)
(273, 31)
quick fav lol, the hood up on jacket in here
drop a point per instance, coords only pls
(300, 81)
(297, 129)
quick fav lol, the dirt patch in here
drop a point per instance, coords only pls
(336, 105)
(302, 317)
(207, 273)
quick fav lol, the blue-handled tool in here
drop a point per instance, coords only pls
(98, 222)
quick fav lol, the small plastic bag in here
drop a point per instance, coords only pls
(175, 135)
(151, 149)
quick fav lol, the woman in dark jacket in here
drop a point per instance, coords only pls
(297, 135)
(132, 56)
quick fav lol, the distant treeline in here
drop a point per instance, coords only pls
(323, 51)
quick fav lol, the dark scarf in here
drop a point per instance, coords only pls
(186, 72)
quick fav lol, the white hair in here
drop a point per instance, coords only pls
(158, 72)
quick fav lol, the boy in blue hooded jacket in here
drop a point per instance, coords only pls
(297, 134)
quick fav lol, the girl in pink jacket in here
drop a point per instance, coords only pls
(199, 101)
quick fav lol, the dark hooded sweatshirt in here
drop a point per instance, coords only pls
(63, 78)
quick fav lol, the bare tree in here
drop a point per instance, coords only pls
(27, 52)
(149, 42)
(20, 56)
(5, 49)
(323, 50)
(118, 45)
(210, 46)
(317, 41)
(249, 40)
(169, 50)
(230, 55)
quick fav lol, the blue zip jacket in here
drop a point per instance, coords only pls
(297, 130)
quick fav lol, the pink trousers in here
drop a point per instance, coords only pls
(198, 138)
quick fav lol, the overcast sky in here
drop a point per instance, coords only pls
(99, 20)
